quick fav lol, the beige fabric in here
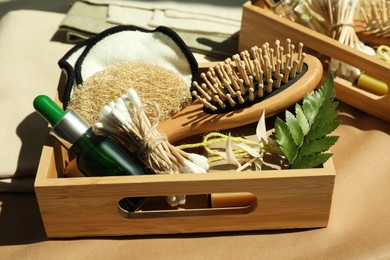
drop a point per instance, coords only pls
(84, 20)
(28, 67)
(171, 19)
(359, 221)
(206, 8)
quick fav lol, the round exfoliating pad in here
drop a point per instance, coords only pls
(153, 83)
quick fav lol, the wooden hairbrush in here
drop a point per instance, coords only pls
(236, 91)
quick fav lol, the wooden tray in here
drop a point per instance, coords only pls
(88, 206)
(260, 25)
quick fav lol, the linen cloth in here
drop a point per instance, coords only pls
(172, 19)
(204, 10)
(28, 68)
(359, 219)
(85, 19)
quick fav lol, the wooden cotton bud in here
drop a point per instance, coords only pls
(172, 200)
(120, 118)
(126, 100)
(111, 104)
(120, 104)
(122, 108)
(109, 121)
(109, 126)
(105, 112)
(176, 200)
(333, 65)
(190, 167)
(99, 125)
(181, 199)
(106, 127)
(133, 96)
(199, 160)
(355, 73)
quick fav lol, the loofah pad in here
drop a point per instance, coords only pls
(153, 84)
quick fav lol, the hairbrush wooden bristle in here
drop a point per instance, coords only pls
(249, 77)
(236, 91)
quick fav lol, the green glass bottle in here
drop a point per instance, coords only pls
(97, 155)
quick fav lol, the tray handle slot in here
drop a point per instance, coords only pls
(236, 203)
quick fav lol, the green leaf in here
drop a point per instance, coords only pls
(322, 130)
(295, 129)
(303, 138)
(328, 113)
(311, 161)
(285, 140)
(311, 106)
(327, 90)
(317, 146)
(302, 119)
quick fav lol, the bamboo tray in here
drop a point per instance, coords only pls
(88, 206)
(259, 25)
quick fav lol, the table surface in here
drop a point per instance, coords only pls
(359, 221)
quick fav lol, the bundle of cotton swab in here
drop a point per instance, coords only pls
(125, 120)
(376, 16)
(341, 16)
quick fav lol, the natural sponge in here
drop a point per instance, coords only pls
(153, 83)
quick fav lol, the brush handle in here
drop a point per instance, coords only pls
(378, 106)
(192, 120)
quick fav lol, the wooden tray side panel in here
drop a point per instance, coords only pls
(71, 208)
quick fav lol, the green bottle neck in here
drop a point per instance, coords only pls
(69, 129)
